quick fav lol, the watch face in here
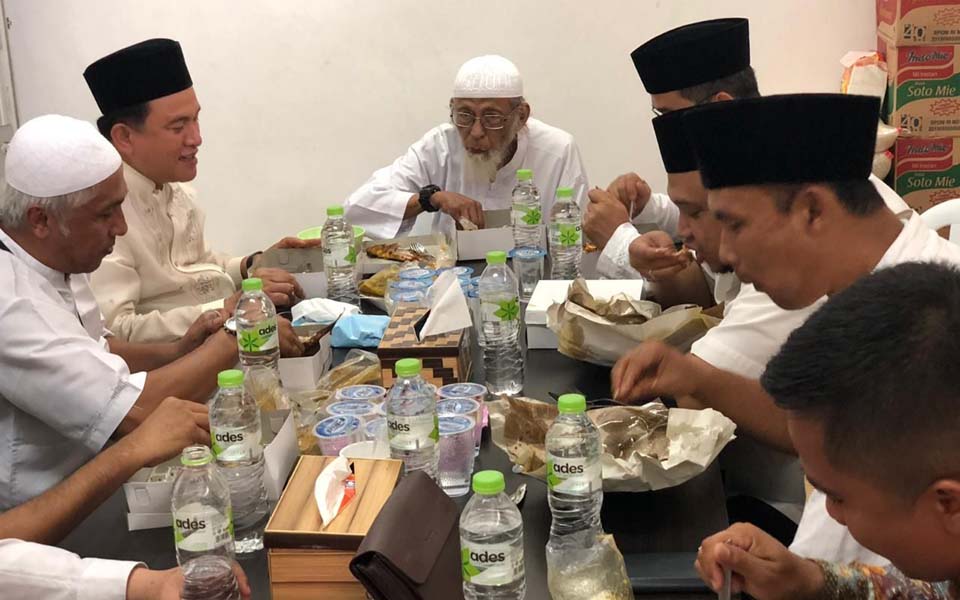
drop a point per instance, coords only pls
(231, 325)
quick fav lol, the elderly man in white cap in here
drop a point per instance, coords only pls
(68, 386)
(462, 168)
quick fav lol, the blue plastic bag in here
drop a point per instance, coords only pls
(359, 331)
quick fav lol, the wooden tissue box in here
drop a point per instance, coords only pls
(306, 561)
(446, 358)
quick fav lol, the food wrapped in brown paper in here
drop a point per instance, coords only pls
(647, 447)
(600, 332)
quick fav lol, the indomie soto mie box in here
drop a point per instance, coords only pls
(923, 96)
(917, 22)
(927, 171)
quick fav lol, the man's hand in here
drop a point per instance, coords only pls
(604, 214)
(174, 425)
(290, 344)
(206, 325)
(295, 242)
(654, 369)
(654, 256)
(632, 191)
(282, 287)
(459, 207)
(146, 584)
(760, 566)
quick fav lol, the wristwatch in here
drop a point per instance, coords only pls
(230, 326)
(425, 194)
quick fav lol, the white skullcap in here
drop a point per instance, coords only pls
(489, 76)
(55, 155)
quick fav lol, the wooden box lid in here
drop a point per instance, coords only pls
(296, 522)
(400, 340)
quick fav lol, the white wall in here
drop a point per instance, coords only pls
(303, 99)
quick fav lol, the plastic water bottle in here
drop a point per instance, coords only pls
(236, 434)
(500, 319)
(527, 213)
(209, 578)
(257, 334)
(574, 477)
(566, 236)
(412, 423)
(491, 542)
(202, 517)
(340, 257)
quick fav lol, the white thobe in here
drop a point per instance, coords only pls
(161, 276)
(62, 393)
(38, 572)
(438, 159)
(818, 535)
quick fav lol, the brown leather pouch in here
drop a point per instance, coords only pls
(412, 550)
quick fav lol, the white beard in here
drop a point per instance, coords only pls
(482, 168)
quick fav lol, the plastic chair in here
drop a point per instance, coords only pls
(945, 214)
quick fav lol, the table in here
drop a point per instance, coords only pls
(670, 523)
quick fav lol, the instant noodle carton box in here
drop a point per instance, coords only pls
(923, 94)
(919, 22)
(927, 171)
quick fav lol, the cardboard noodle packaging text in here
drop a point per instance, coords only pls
(927, 171)
(919, 22)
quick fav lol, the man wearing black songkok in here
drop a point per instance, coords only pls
(161, 275)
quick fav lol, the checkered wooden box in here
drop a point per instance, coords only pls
(446, 358)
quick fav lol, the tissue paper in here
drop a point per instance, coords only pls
(448, 307)
(320, 311)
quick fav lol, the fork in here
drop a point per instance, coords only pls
(418, 248)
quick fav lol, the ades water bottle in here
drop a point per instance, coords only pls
(202, 515)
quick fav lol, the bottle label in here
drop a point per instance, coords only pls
(259, 338)
(202, 529)
(526, 215)
(567, 235)
(413, 432)
(504, 310)
(574, 475)
(490, 564)
(341, 255)
(230, 443)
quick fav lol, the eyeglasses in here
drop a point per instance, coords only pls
(489, 120)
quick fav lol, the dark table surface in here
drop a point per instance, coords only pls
(658, 532)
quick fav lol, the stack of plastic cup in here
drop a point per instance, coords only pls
(456, 454)
(365, 393)
(466, 391)
(361, 409)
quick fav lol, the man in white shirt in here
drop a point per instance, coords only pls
(68, 385)
(469, 165)
(31, 569)
(161, 275)
(799, 230)
(688, 66)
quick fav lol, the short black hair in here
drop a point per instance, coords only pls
(132, 116)
(859, 197)
(876, 366)
(742, 84)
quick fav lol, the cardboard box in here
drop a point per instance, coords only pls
(923, 95)
(148, 502)
(497, 234)
(303, 372)
(919, 22)
(927, 171)
(550, 292)
(307, 560)
(446, 358)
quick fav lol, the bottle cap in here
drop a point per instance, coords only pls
(496, 257)
(334, 211)
(408, 367)
(564, 192)
(230, 378)
(524, 174)
(572, 403)
(253, 284)
(488, 483)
